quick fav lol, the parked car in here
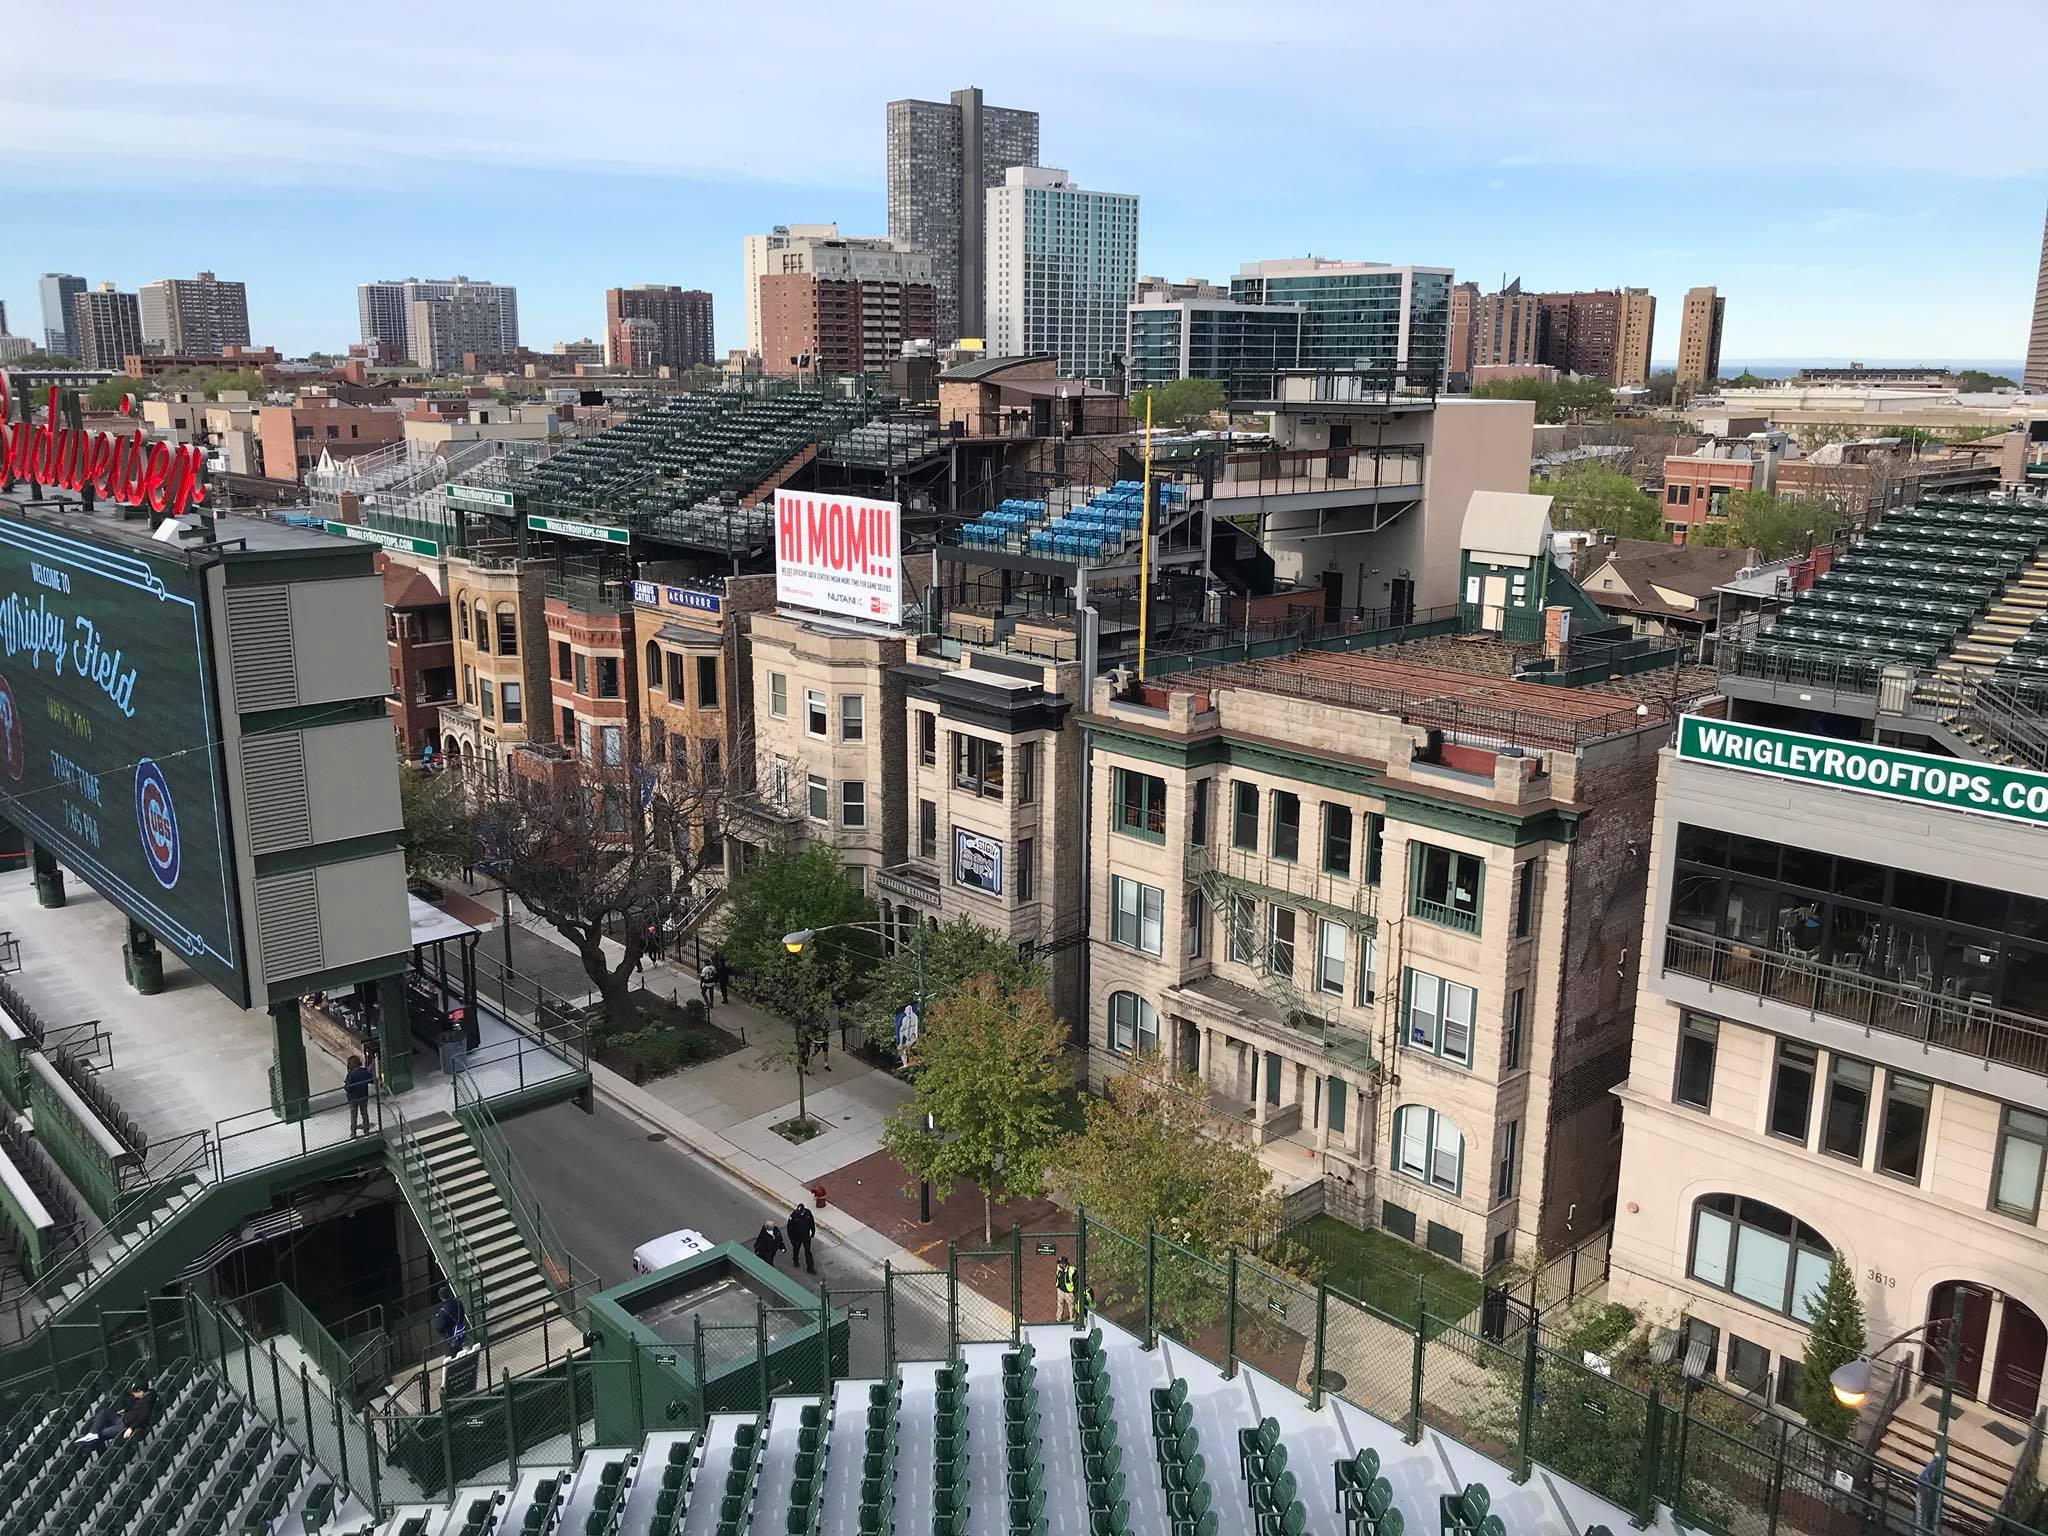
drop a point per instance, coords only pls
(660, 1252)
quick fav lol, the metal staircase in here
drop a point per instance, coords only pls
(1973, 654)
(480, 1246)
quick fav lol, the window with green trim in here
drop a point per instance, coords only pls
(1139, 805)
(1286, 825)
(1244, 816)
(1333, 1115)
(1444, 887)
(1375, 845)
(1439, 1016)
(1336, 840)
(1198, 829)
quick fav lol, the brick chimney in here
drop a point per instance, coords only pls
(1557, 631)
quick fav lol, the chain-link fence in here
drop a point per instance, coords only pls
(1278, 1325)
(1111, 1275)
(1368, 1357)
(920, 1315)
(1474, 1391)
(984, 1285)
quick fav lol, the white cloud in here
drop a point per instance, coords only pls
(409, 90)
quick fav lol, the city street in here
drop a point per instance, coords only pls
(608, 1186)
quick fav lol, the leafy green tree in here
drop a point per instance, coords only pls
(1748, 380)
(953, 955)
(1835, 1337)
(1975, 381)
(1774, 526)
(1556, 401)
(229, 380)
(1589, 497)
(106, 394)
(786, 889)
(991, 1074)
(44, 360)
(440, 832)
(1662, 386)
(1179, 404)
(1152, 1154)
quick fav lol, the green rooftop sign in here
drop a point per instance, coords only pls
(2016, 794)
(478, 495)
(569, 528)
(377, 536)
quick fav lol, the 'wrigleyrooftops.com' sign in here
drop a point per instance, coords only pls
(2017, 794)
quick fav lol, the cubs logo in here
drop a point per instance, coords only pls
(12, 756)
(157, 822)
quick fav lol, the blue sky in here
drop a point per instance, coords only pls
(1859, 179)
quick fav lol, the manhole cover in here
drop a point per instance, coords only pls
(1333, 1381)
(657, 1135)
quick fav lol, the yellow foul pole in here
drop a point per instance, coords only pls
(1145, 546)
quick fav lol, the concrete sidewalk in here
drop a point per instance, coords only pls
(726, 1110)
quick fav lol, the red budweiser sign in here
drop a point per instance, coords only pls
(132, 470)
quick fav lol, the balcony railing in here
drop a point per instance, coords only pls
(1961, 1024)
(1287, 472)
(1443, 914)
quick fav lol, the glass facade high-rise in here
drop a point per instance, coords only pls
(1240, 346)
(943, 157)
(59, 290)
(1358, 313)
(1062, 266)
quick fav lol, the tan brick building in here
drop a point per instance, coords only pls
(500, 657)
(829, 751)
(1381, 906)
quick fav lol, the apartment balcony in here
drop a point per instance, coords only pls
(1297, 883)
(1933, 1019)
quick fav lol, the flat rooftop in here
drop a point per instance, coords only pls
(1463, 683)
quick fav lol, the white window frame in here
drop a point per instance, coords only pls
(817, 792)
(1140, 906)
(853, 803)
(1133, 1029)
(1331, 957)
(1438, 1011)
(1440, 1143)
(611, 744)
(854, 726)
(778, 695)
(815, 706)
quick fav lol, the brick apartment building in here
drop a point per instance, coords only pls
(294, 436)
(419, 633)
(844, 324)
(501, 660)
(681, 320)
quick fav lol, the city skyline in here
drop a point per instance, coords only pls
(1905, 249)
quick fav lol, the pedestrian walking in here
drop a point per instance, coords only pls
(723, 968)
(707, 983)
(768, 1242)
(469, 874)
(451, 1323)
(803, 1226)
(654, 942)
(1063, 1282)
(356, 1085)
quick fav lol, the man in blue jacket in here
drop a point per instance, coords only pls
(357, 1086)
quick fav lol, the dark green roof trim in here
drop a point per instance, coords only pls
(1210, 751)
(1504, 825)
(317, 855)
(299, 717)
(269, 568)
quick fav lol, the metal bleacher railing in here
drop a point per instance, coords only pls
(1524, 1386)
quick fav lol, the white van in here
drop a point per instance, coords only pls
(660, 1252)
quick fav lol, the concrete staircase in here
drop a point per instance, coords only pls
(1980, 1464)
(508, 1289)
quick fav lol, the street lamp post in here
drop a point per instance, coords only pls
(1850, 1383)
(795, 944)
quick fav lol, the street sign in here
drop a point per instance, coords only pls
(907, 1024)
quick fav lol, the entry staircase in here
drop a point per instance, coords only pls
(472, 1231)
(1988, 653)
(1981, 1464)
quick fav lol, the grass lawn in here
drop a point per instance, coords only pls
(1383, 1271)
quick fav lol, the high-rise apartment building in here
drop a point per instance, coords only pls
(1240, 346)
(762, 254)
(1699, 337)
(59, 290)
(1507, 328)
(195, 316)
(106, 327)
(943, 157)
(2036, 377)
(884, 286)
(387, 315)
(1581, 331)
(1062, 266)
(1638, 330)
(1360, 313)
(1464, 311)
(681, 316)
(470, 318)
(841, 324)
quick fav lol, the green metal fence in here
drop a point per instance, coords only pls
(1636, 1434)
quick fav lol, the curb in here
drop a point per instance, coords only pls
(638, 1105)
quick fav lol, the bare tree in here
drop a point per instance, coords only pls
(609, 850)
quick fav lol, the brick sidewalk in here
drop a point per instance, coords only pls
(875, 1191)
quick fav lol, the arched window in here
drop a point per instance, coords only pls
(483, 627)
(1758, 1252)
(1428, 1148)
(1133, 1025)
(652, 676)
(462, 613)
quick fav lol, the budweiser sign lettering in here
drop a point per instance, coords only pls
(839, 554)
(132, 470)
